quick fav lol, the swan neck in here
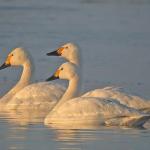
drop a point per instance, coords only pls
(74, 58)
(26, 74)
(75, 61)
(70, 93)
(24, 81)
(72, 90)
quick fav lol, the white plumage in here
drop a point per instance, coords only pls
(26, 96)
(89, 110)
(38, 97)
(126, 99)
(71, 53)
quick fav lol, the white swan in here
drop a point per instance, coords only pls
(37, 96)
(89, 110)
(71, 53)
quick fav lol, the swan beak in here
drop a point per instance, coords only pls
(58, 52)
(54, 53)
(53, 77)
(7, 62)
(3, 66)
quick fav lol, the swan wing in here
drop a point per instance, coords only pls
(37, 96)
(93, 110)
(129, 100)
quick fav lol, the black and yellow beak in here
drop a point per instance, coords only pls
(58, 52)
(54, 76)
(4, 65)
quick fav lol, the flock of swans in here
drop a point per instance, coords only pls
(65, 106)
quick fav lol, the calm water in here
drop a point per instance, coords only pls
(114, 36)
(30, 137)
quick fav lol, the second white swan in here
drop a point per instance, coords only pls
(88, 110)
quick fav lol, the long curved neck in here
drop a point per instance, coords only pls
(26, 74)
(74, 58)
(24, 81)
(70, 93)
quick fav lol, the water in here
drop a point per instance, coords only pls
(29, 137)
(114, 36)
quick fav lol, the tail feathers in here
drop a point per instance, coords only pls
(145, 110)
(139, 121)
(130, 121)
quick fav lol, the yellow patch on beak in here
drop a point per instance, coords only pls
(57, 73)
(60, 50)
(7, 62)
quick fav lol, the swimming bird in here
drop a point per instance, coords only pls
(70, 52)
(36, 96)
(71, 109)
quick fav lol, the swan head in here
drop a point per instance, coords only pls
(66, 71)
(16, 57)
(69, 51)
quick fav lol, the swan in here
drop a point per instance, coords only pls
(89, 110)
(36, 96)
(70, 52)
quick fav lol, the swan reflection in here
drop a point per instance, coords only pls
(23, 117)
(76, 139)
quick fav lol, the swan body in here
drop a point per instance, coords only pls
(89, 110)
(70, 52)
(38, 97)
(128, 100)
(25, 95)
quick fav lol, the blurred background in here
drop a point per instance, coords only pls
(113, 36)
